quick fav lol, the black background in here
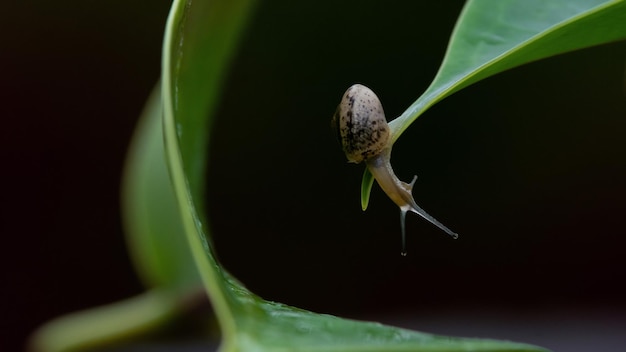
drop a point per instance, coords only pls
(75, 76)
(526, 166)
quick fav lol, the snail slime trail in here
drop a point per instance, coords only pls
(364, 135)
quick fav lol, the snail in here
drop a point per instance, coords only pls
(364, 134)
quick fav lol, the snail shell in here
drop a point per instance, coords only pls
(361, 125)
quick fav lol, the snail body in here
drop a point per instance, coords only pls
(365, 136)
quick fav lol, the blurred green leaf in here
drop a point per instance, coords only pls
(154, 232)
(107, 325)
(199, 42)
(494, 36)
(158, 246)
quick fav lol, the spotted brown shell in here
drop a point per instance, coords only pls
(360, 124)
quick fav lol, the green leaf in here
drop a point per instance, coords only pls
(107, 325)
(271, 326)
(366, 187)
(199, 42)
(154, 231)
(158, 246)
(494, 36)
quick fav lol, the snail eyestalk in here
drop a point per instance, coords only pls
(400, 193)
(403, 227)
(364, 135)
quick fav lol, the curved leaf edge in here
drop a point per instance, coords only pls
(209, 269)
(438, 91)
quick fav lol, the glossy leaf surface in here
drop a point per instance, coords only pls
(494, 36)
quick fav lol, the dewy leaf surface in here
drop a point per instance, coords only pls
(494, 36)
(199, 42)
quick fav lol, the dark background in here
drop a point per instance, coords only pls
(75, 76)
(527, 166)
